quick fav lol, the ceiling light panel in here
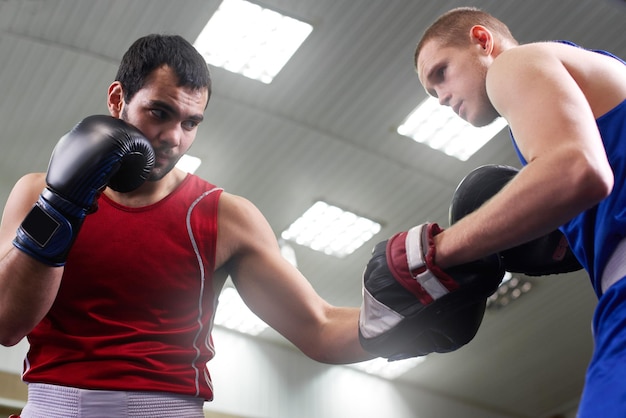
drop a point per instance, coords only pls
(440, 128)
(331, 230)
(245, 38)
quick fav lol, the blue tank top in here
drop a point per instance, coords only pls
(594, 233)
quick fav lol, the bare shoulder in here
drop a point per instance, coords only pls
(518, 73)
(238, 210)
(523, 58)
(602, 79)
(545, 57)
(27, 189)
(33, 179)
(537, 51)
(241, 228)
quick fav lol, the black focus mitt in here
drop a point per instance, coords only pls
(549, 254)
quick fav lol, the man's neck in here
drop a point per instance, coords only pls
(150, 192)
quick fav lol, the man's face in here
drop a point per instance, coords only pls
(457, 77)
(168, 115)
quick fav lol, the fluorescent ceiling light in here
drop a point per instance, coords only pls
(288, 252)
(232, 313)
(189, 163)
(511, 289)
(440, 128)
(388, 369)
(248, 39)
(331, 230)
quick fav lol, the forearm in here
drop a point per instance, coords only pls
(541, 198)
(339, 338)
(45, 212)
(27, 290)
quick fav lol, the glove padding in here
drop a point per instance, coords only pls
(99, 151)
(411, 307)
(545, 255)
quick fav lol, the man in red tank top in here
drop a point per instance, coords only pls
(126, 307)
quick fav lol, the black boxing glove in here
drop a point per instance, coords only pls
(549, 254)
(411, 307)
(99, 151)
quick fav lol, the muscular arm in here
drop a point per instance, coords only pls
(78, 171)
(278, 293)
(568, 172)
(27, 288)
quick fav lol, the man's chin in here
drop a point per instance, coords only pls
(158, 173)
(481, 122)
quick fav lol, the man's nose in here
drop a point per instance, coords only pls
(171, 136)
(444, 99)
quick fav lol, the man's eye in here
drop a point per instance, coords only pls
(190, 125)
(159, 114)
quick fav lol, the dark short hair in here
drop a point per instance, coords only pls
(154, 51)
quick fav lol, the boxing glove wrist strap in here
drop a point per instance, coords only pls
(411, 255)
(46, 234)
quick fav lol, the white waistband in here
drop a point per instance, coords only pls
(615, 268)
(51, 401)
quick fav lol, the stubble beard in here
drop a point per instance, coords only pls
(157, 173)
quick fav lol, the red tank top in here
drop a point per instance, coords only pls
(135, 307)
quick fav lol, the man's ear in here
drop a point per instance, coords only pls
(115, 99)
(482, 37)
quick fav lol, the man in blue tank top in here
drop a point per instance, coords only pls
(566, 109)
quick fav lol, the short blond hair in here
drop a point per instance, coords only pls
(452, 28)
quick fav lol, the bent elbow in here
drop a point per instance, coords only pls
(605, 190)
(9, 340)
(597, 183)
(10, 335)
(317, 354)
